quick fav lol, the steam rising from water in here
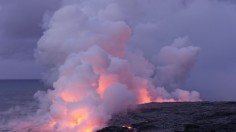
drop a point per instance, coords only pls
(97, 73)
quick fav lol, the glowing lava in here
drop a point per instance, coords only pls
(144, 97)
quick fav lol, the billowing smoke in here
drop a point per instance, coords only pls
(175, 62)
(97, 72)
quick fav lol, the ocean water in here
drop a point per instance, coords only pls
(19, 93)
(17, 103)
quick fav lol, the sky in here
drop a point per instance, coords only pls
(21, 25)
(209, 25)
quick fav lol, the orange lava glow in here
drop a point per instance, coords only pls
(79, 119)
(160, 100)
(67, 97)
(104, 82)
(129, 127)
(144, 97)
(88, 129)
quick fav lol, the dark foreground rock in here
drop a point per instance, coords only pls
(117, 129)
(176, 117)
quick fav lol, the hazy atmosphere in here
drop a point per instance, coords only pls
(208, 24)
(78, 65)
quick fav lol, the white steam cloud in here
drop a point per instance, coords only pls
(97, 73)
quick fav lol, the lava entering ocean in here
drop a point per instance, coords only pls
(98, 73)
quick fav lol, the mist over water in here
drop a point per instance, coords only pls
(17, 99)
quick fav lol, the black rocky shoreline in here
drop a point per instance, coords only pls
(176, 117)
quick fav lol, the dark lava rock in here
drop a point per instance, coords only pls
(192, 128)
(116, 129)
(177, 117)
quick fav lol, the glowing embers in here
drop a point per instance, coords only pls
(128, 127)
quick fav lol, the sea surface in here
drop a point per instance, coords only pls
(17, 103)
(19, 93)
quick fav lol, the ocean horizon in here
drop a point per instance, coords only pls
(16, 93)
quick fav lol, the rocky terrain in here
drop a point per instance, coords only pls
(166, 117)
(176, 117)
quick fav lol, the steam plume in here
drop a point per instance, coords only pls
(98, 74)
